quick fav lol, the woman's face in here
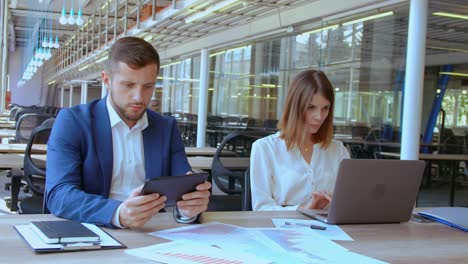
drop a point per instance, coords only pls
(316, 112)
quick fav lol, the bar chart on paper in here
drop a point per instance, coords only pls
(188, 252)
(198, 258)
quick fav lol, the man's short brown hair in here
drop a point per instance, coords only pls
(133, 51)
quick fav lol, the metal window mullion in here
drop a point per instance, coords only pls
(138, 14)
(99, 29)
(107, 23)
(115, 19)
(92, 30)
(125, 17)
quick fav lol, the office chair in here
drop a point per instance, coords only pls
(26, 123)
(247, 193)
(230, 180)
(34, 174)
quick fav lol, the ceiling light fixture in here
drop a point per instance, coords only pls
(321, 29)
(208, 11)
(444, 14)
(459, 74)
(389, 13)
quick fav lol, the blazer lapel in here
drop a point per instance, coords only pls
(153, 145)
(102, 133)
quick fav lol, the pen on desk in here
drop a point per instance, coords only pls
(318, 227)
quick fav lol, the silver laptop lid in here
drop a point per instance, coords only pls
(375, 191)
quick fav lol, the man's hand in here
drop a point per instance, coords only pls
(195, 202)
(319, 200)
(138, 209)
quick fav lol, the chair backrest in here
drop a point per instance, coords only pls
(230, 180)
(270, 124)
(449, 142)
(13, 112)
(34, 173)
(247, 193)
(27, 123)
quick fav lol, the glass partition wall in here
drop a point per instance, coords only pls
(363, 56)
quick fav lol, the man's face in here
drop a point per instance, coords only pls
(130, 90)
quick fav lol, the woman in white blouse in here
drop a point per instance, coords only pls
(298, 165)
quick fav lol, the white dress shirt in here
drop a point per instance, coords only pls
(282, 179)
(128, 168)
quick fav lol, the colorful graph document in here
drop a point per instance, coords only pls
(270, 245)
(188, 252)
(237, 240)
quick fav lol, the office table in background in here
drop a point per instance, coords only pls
(453, 159)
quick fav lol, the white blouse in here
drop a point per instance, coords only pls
(282, 179)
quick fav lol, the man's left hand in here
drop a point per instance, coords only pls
(196, 202)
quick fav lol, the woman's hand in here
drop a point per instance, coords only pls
(318, 200)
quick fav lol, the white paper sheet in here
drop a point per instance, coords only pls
(229, 237)
(333, 232)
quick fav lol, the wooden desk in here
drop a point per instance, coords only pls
(7, 133)
(20, 148)
(204, 163)
(192, 151)
(394, 243)
(9, 161)
(8, 124)
(452, 159)
(16, 161)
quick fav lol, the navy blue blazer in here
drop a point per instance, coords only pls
(80, 160)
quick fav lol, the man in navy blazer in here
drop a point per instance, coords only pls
(97, 151)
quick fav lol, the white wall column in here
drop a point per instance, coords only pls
(202, 99)
(4, 72)
(71, 96)
(84, 92)
(62, 91)
(415, 63)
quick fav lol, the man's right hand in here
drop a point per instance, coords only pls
(138, 209)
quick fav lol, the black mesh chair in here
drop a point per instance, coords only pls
(270, 125)
(247, 193)
(27, 123)
(230, 179)
(13, 112)
(34, 173)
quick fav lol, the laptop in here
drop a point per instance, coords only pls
(371, 191)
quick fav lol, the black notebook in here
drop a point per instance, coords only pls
(63, 232)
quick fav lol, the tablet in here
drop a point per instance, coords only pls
(173, 187)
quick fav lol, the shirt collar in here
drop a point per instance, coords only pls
(115, 119)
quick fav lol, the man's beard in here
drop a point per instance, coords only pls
(123, 113)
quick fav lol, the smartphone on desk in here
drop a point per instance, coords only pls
(173, 187)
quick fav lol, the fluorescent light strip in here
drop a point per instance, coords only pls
(321, 29)
(449, 49)
(102, 59)
(84, 67)
(389, 13)
(174, 63)
(218, 53)
(209, 10)
(454, 74)
(51, 82)
(444, 14)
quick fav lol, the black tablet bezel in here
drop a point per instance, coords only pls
(173, 187)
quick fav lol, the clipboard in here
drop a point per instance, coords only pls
(34, 241)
